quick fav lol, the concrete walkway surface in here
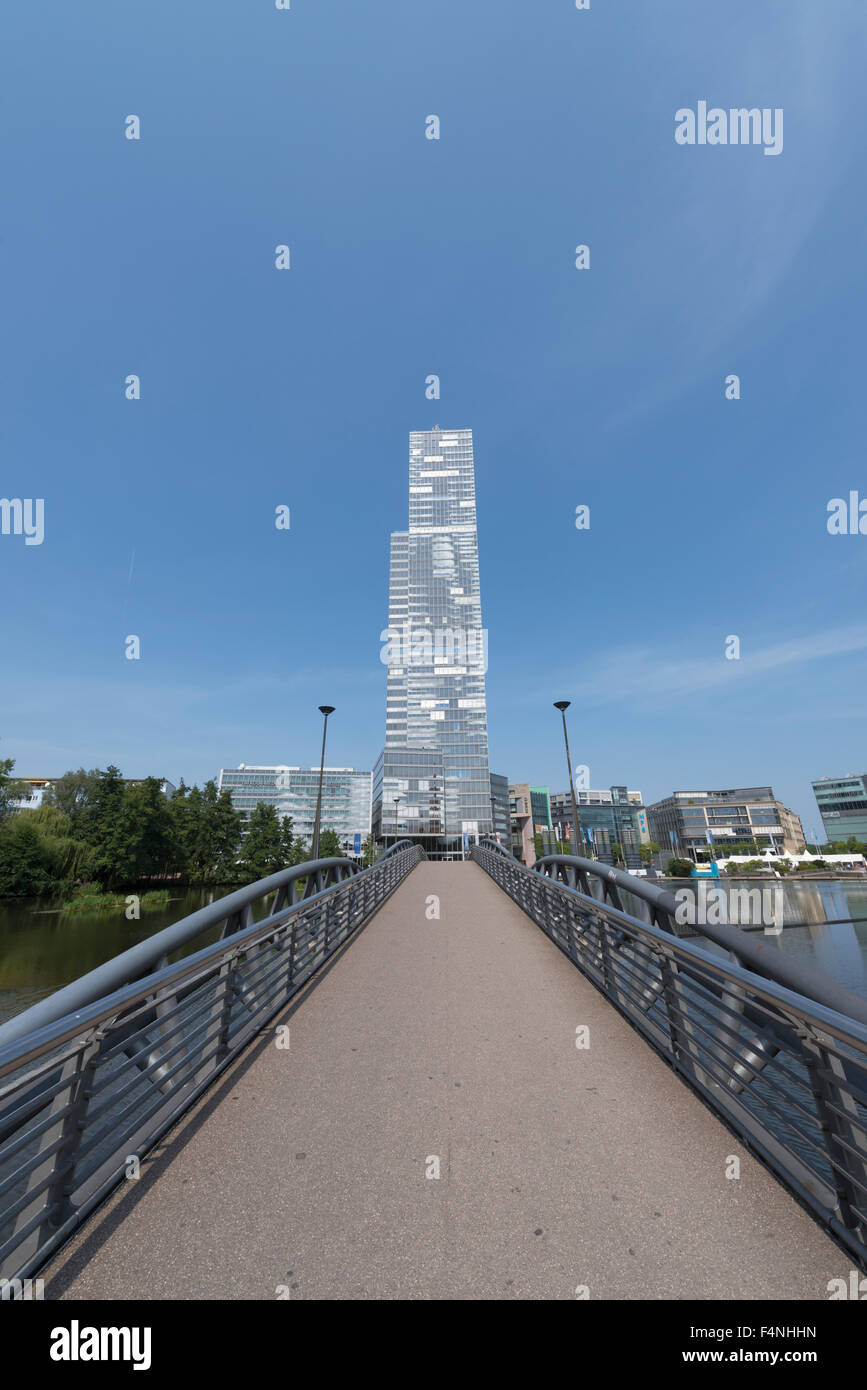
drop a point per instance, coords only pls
(448, 1044)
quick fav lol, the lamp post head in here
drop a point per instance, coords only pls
(326, 710)
(562, 704)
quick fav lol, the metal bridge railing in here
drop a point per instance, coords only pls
(97, 1072)
(775, 1047)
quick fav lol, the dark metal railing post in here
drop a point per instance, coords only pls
(843, 1133)
(60, 1143)
(608, 973)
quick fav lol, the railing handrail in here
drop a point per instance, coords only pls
(83, 1087)
(68, 1025)
(786, 971)
(137, 961)
(661, 898)
(729, 972)
(786, 1070)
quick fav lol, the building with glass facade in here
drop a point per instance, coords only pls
(435, 652)
(500, 810)
(606, 817)
(687, 822)
(293, 792)
(529, 816)
(842, 803)
(408, 797)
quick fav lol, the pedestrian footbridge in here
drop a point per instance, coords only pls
(392, 1084)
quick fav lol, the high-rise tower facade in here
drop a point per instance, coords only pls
(435, 649)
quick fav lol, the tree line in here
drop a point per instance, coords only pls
(93, 827)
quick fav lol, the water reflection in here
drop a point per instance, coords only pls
(43, 948)
(838, 949)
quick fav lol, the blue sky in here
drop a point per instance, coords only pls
(455, 257)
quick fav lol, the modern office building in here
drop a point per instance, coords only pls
(530, 815)
(607, 817)
(842, 803)
(687, 822)
(435, 651)
(500, 810)
(408, 797)
(293, 792)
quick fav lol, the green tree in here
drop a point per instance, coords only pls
(10, 789)
(290, 848)
(369, 851)
(212, 835)
(73, 793)
(68, 858)
(330, 845)
(648, 851)
(679, 868)
(224, 826)
(262, 852)
(25, 867)
(181, 816)
(106, 828)
(149, 830)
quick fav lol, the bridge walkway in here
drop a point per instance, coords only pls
(450, 1038)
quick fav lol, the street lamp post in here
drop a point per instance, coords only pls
(562, 706)
(324, 710)
(396, 800)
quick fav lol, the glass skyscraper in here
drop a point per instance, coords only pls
(435, 649)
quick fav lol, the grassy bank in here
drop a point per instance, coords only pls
(89, 898)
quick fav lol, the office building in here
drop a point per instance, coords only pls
(530, 816)
(435, 652)
(692, 821)
(408, 798)
(842, 803)
(293, 791)
(500, 810)
(606, 817)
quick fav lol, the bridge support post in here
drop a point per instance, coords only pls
(60, 1144)
(680, 1029)
(843, 1131)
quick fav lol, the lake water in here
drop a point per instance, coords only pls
(839, 950)
(41, 949)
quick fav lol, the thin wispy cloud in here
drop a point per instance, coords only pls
(647, 673)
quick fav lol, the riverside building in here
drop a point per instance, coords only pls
(432, 781)
(842, 803)
(292, 791)
(687, 822)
